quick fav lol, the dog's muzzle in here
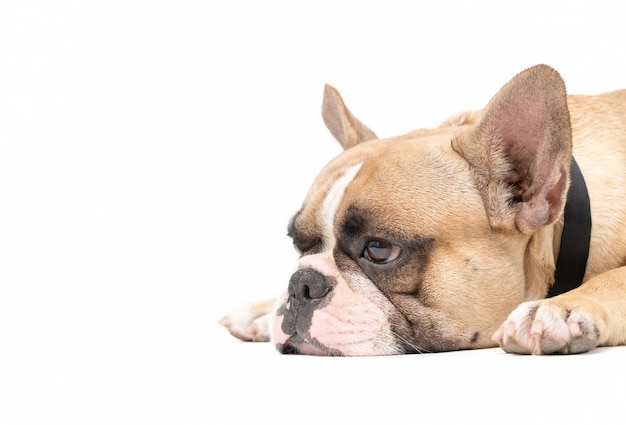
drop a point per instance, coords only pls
(308, 290)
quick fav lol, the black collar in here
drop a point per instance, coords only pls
(574, 251)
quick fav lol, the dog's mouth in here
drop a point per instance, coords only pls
(294, 346)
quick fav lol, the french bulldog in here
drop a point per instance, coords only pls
(450, 238)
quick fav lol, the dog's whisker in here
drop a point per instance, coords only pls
(410, 344)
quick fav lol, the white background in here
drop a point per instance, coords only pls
(151, 154)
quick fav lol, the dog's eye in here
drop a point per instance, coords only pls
(381, 252)
(297, 246)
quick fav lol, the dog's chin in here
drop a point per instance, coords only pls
(290, 347)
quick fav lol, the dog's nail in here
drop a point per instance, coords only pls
(498, 335)
(537, 328)
(509, 330)
(574, 328)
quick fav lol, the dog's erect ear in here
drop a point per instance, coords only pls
(520, 151)
(344, 126)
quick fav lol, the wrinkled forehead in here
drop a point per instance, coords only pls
(391, 176)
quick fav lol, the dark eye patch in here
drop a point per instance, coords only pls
(302, 241)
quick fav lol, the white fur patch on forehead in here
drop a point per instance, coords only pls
(332, 201)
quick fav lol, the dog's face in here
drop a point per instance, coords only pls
(426, 242)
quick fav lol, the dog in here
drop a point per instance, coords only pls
(455, 237)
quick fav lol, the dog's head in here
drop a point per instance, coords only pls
(425, 242)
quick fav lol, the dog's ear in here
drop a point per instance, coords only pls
(520, 151)
(344, 126)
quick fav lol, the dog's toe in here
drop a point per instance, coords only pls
(585, 334)
(549, 339)
(515, 336)
(507, 337)
(259, 330)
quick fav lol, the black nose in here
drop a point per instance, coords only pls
(308, 284)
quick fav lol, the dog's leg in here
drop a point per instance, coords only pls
(577, 321)
(250, 322)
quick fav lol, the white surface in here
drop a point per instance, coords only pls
(151, 154)
(475, 387)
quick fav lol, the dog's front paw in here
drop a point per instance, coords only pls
(249, 322)
(545, 327)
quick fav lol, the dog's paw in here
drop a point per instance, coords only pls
(545, 327)
(249, 322)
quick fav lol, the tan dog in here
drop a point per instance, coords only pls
(429, 241)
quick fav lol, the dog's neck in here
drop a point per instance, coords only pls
(574, 249)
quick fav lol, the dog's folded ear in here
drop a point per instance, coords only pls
(344, 126)
(520, 151)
